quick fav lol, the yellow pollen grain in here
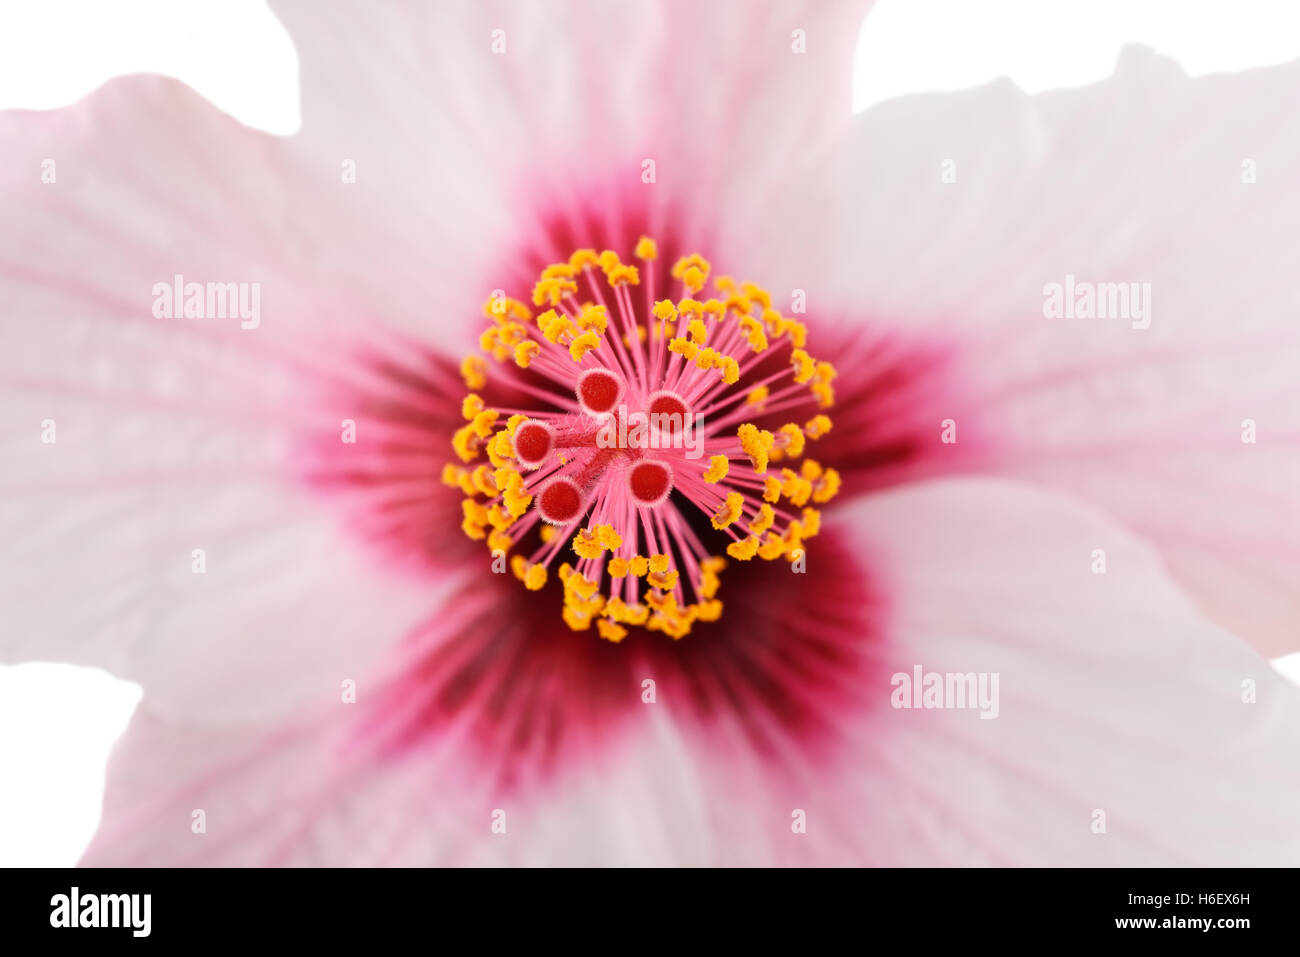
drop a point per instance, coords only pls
(729, 511)
(581, 258)
(594, 317)
(576, 620)
(512, 333)
(743, 550)
(738, 305)
(664, 310)
(683, 347)
(463, 442)
(515, 498)
(587, 545)
(773, 548)
(717, 469)
(796, 488)
(794, 440)
(552, 290)
(828, 487)
(817, 426)
(690, 309)
(525, 353)
(474, 371)
(709, 582)
(475, 521)
(753, 332)
(758, 294)
(708, 610)
(580, 585)
(623, 275)
(484, 422)
(803, 364)
(694, 261)
(558, 271)
(664, 581)
(555, 327)
(499, 518)
(757, 443)
(583, 344)
(607, 629)
(646, 248)
(484, 482)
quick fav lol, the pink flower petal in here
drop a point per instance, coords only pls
(172, 435)
(542, 98)
(1113, 697)
(494, 702)
(1144, 178)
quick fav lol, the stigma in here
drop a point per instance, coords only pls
(639, 439)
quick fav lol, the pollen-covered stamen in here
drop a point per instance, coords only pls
(605, 377)
(649, 481)
(560, 501)
(599, 391)
(533, 442)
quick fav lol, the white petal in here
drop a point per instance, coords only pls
(558, 101)
(1184, 187)
(1113, 697)
(131, 441)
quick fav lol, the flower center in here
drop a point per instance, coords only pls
(644, 418)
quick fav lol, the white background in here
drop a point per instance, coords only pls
(58, 722)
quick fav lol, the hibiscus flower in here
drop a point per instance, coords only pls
(392, 597)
